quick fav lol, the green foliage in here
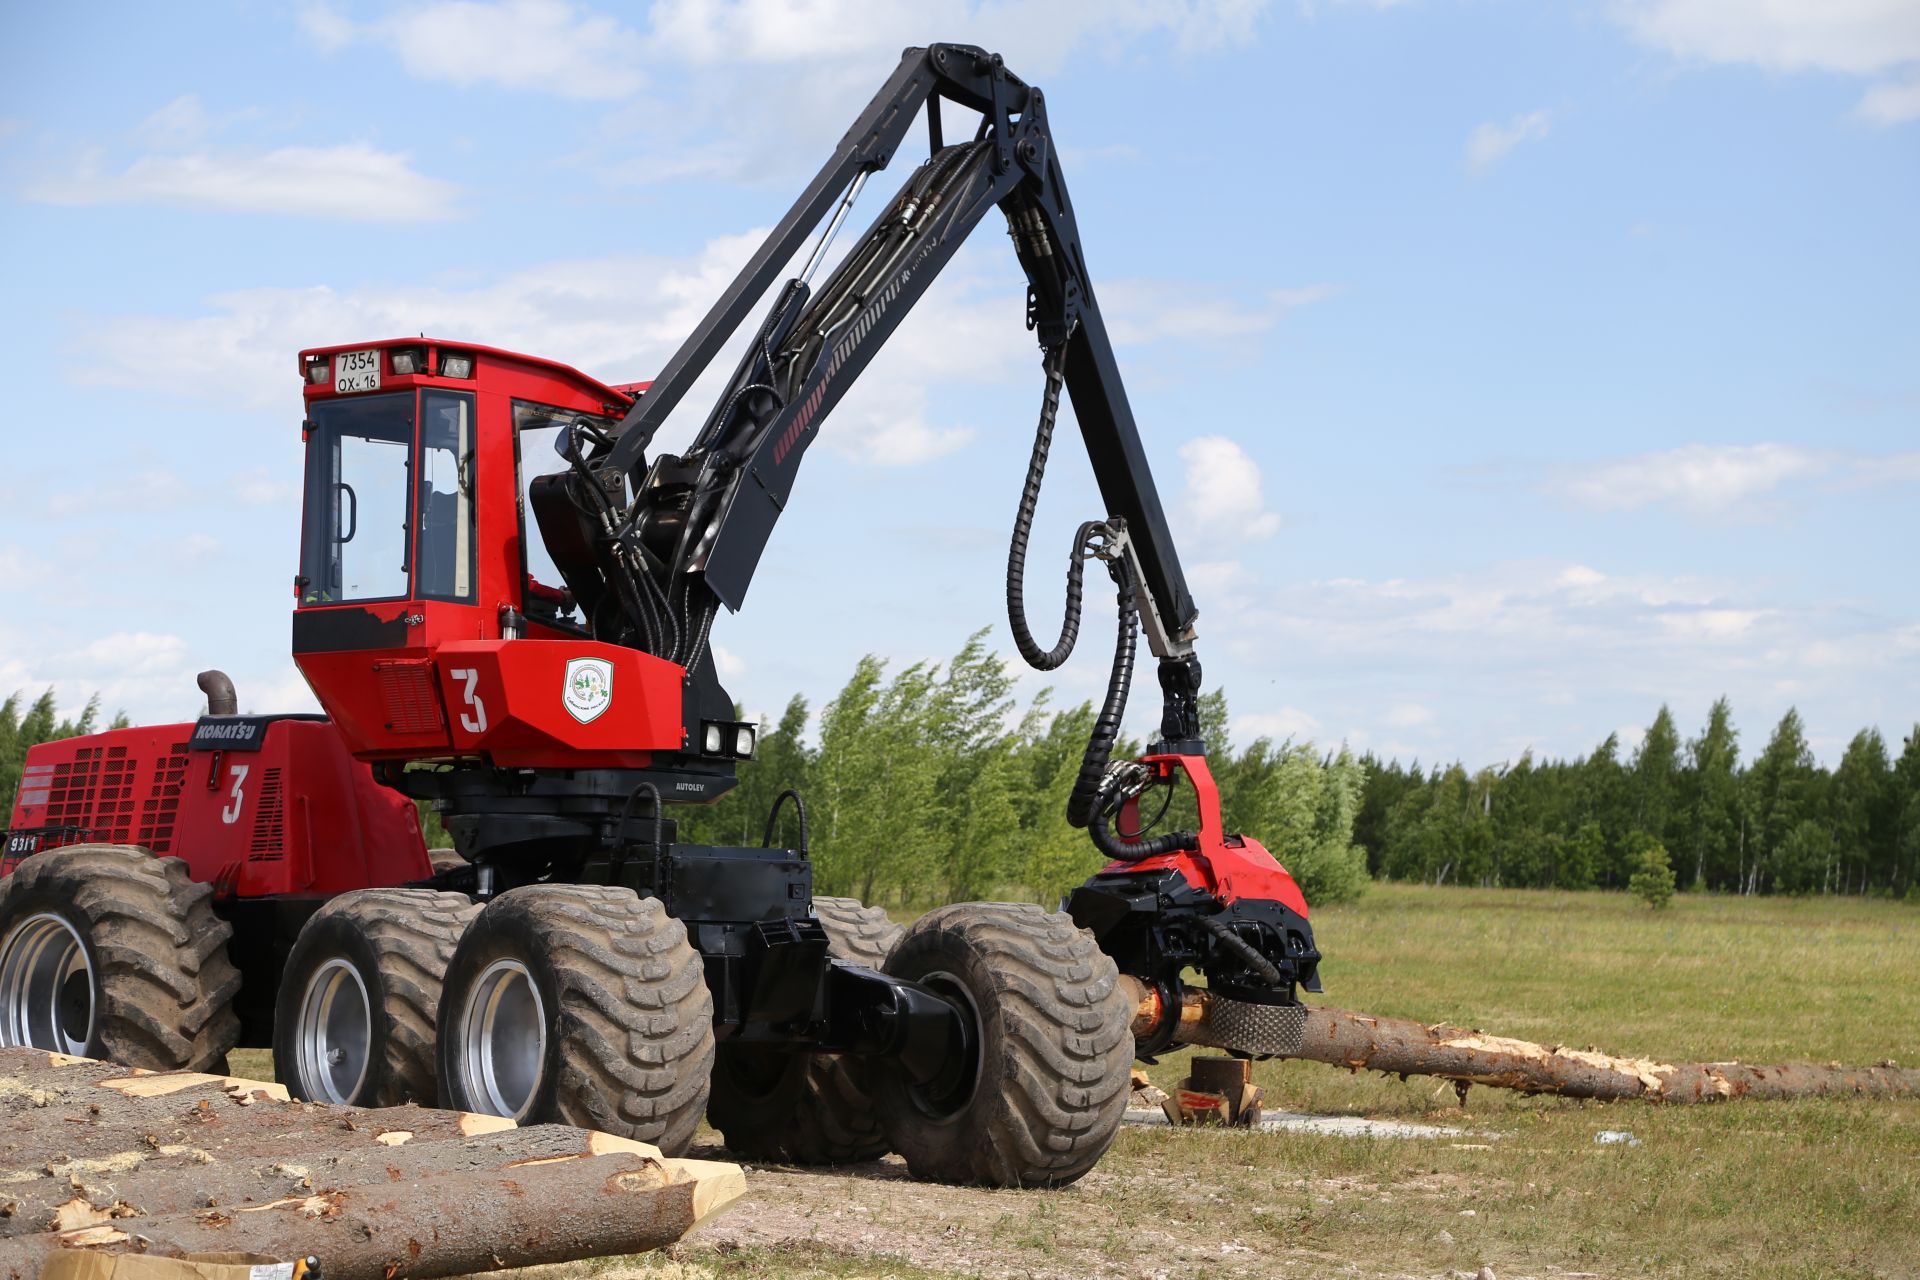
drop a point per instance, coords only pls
(1651, 879)
(929, 784)
(1781, 825)
(19, 733)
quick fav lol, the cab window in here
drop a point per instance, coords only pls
(354, 535)
(445, 541)
(535, 428)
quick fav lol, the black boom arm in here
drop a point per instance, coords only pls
(697, 523)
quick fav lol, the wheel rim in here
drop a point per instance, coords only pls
(334, 1040)
(46, 987)
(948, 1095)
(503, 1040)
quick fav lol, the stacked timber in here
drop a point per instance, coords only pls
(98, 1157)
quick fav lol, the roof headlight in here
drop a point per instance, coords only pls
(319, 369)
(406, 360)
(456, 364)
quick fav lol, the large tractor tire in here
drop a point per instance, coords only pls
(805, 1108)
(583, 1005)
(355, 1019)
(1043, 1095)
(109, 952)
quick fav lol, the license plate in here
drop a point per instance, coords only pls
(357, 371)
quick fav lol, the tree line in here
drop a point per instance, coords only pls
(930, 783)
(1779, 823)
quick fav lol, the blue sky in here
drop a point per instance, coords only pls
(1508, 368)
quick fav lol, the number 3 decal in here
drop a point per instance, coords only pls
(231, 813)
(470, 678)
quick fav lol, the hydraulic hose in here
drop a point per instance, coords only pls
(773, 818)
(1246, 951)
(1036, 657)
(1084, 800)
(652, 793)
(1088, 804)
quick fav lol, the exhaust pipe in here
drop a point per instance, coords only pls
(221, 699)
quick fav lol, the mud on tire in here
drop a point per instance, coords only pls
(354, 1022)
(1049, 1079)
(807, 1108)
(110, 952)
(582, 1004)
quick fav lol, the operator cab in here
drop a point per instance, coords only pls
(417, 542)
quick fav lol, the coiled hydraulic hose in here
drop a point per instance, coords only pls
(1090, 803)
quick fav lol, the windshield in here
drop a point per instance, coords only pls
(367, 492)
(354, 541)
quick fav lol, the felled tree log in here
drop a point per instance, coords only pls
(1403, 1047)
(547, 1211)
(62, 1194)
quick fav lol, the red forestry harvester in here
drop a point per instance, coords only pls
(504, 603)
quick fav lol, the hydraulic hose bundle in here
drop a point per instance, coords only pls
(1099, 790)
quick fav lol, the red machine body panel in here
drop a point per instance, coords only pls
(1231, 867)
(535, 703)
(288, 812)
(481, 664)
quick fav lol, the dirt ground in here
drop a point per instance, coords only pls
(1130, 1219)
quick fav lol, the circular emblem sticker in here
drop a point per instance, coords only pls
(589, 688)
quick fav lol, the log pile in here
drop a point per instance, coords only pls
(94, 1156)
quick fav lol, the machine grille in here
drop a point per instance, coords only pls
(162, 804)
(269, 822)
(94, 791)
(411, 696)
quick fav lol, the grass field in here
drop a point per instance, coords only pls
(1815, 1188)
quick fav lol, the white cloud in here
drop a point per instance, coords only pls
(123, 669)
(351, 182)
(1282, 725)
(1893, 101)
(1712, 624)
(569, 50)
(1032, 34)
(153, 490)
(615, 318)
(1490, 143)
(181, 122)
(728, 663)
(1857, 37)
(328, 28)
(1724, 480)
(1863, 38)
(1223, 500)
(1139, 311)
(1525, 646)
(1409, 715)
(543, 45)
(618, 318)
(1699, 478)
